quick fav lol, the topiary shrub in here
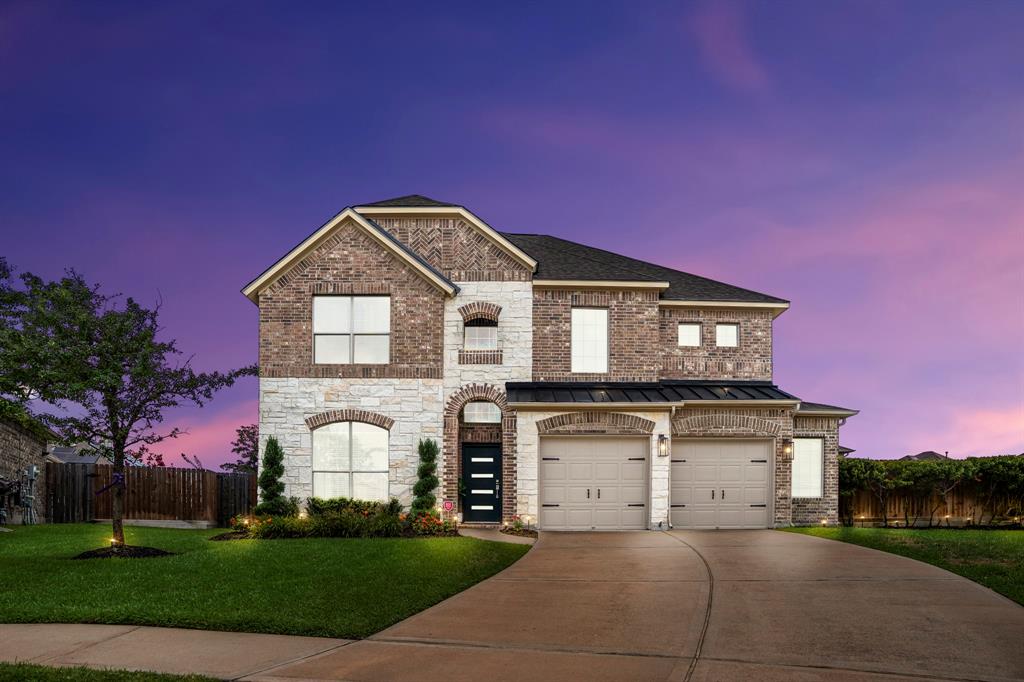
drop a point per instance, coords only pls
(272, 499)
(425, 501)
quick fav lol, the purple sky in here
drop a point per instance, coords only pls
(865, 160)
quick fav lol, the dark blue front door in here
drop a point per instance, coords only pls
(481, 481)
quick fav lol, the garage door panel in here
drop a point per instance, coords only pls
(755, 495)
(581, 471)
(634, 517)
(553, 471)
(712, 467)
(606, 471)
(633, 471)
(756, 473)
(705, 472)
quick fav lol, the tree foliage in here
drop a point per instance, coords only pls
(246, 446)
(425, 500)
(272, 499)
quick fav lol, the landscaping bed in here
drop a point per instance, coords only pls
(993, 558)
(332, 587)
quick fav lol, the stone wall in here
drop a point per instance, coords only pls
(810, 511)
(19, 449)
(414, 405)
(351, 262)
(751, 359)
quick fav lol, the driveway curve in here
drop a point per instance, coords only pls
(712, 605)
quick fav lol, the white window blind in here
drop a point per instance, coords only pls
(727, 335)
(350, 459)
(590, 340)
(351, 329)
(481, 337)
(481, 413)
(808, 465)
(689, 334)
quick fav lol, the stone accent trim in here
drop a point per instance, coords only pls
(724, 425)
(592, 422)
(480, 357)
(480, 310)
(349, 415)
(451, 448)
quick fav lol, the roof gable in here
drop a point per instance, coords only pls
(383, 237)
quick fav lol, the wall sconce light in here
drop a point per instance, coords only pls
(787, 447)
(662, 445)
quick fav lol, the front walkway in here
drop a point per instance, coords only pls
(728, 605)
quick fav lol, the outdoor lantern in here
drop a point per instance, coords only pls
(787, 447)
(662, 445)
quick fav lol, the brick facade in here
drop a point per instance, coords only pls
(632, 321)
(351, 262)
(19, 448)
(750, 359)
(595, 422)
(456, 248)
(811, 511)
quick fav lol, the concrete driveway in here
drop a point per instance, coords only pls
(723, 605)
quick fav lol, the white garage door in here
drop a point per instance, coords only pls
(593, 483)
(720, 483)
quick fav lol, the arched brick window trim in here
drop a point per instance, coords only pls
(725, 425)
(479, 310)
(595, 422)
(451, 449)
(332, 416)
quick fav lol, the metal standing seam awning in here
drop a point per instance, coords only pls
(645, 393)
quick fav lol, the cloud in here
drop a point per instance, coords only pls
(985, 431)
(719, 29)
(209, 439)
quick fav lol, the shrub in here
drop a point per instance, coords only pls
(282, 506)
(318, 506)
(272, 499)
(430, 523)
(337, 518)
(425, 501)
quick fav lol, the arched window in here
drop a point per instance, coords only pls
(350, 459)
(481, 412)
(481, 334)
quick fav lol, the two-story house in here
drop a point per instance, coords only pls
(581, 388)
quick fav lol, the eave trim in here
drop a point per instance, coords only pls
(597, 284)
(778, 308)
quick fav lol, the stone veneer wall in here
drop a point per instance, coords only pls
(351, 262)
(751, 359)
(18, 449)
(748, 422)
(528, 441)
(415, 405)
(808, 511)
(633, 326)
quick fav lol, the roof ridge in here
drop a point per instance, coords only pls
(411, 200)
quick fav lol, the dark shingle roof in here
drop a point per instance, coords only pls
(69, 455)
(410, 200)
(648, 392)
(562, 259)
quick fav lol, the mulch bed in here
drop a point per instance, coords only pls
(522, 532)
(123, 552)
(232, 535)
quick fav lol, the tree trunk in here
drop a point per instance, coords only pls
(117, 503)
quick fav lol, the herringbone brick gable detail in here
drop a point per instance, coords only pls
(595, 422)
(480, 310)
(349, 415)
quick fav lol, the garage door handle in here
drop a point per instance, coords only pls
(549, 505)
(679, 460)
(599, 493)
(588, 493)
(636, 504)
(759, 505)
(677, 505)
(550, 459)
(762, 461)
(723, 494)
(712, 494)
(637, 459)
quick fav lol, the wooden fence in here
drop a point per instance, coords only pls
(78, 493)
(961, 507)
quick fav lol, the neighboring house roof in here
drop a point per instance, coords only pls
(926, 455)
(808, 408)
(410, 200)
(70, 455)
(561, 259)
(844, 451)
(667, 391)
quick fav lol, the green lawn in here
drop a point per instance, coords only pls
(328, 587)
(994, 558)
(25, 672)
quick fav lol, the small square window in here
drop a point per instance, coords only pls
(727, 335)
(480, 337)
(689, 334)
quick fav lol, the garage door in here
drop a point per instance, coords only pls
(593, 483)
(720, 483)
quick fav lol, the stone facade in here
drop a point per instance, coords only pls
(413, 405)
(19, 448)
(632, 321)
(750, 359)
(813, 510)
(351, 262)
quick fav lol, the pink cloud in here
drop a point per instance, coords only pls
(209, 438)
(719, 29)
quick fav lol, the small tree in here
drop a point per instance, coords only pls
(424, 500)
(247, 446)
(272, 499)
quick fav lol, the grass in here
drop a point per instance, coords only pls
(347, 588)
(25, 672)
(994, 558)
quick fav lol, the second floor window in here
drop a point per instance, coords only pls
(727, 335)
(590, 340)
(481, 335)
(351, 330)
(689, 334)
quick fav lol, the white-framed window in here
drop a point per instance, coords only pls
(481, 335)
(727, 335)
(350, 459)
(590, 340)
(481, 412)
(808, 467)
(351, 330)
(689, 334)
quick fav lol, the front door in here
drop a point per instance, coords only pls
(481, 481)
